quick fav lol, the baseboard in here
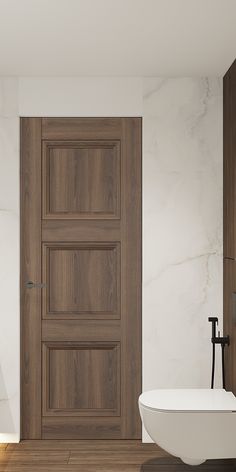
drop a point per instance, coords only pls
(9, 438)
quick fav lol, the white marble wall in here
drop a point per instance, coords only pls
(182, 222)
(182, 229)
(9, 262)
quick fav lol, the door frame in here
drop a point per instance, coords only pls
(30, 301)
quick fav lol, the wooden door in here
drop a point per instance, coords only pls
(81, 247)
(230, 321)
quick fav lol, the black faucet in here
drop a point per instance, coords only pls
(223, 341)
(214, 322)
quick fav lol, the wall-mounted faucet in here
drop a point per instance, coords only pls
(223, 341)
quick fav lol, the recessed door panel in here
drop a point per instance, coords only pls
(92, 370)
(82, 280)
(81, 179)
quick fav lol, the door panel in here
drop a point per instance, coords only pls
(81, 332)
(81, 179)
(82, 280)
(93, 372)
(230, 321)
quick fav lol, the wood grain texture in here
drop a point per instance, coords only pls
(229, 324)
(64, 427)
(86, 445)
(30, 270)
(97, 456)
(91, 269)
(82, 280)
(131, 275)
(71, 230)
(229, 163)
(81, 128)
(81, 330)
(92, 370)
(81, 179)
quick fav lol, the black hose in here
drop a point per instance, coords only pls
(223, 363)
(213, 366)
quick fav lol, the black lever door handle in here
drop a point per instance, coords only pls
(31, 284)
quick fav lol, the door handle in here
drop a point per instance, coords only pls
(31, 284)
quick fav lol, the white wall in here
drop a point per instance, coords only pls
(182, 235)
(182, 216)
(89, 96)
(9, 262)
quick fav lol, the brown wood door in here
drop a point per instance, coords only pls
(81, 246)
(230, 321)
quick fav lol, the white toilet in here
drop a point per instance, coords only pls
(193, 424)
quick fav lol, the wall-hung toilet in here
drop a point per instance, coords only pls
(193, 424)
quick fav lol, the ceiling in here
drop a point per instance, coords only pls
(117, 37)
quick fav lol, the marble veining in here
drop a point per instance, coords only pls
(182, 229)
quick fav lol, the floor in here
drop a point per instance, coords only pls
(96, 456)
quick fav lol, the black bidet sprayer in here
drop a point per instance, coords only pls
(223, 341)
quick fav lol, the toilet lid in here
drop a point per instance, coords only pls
(190, 400)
